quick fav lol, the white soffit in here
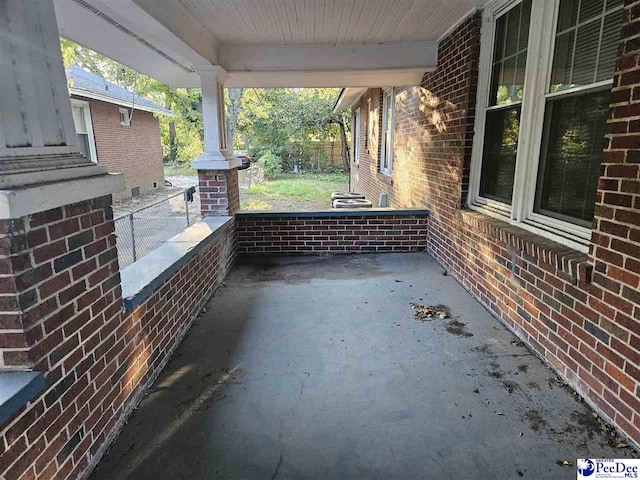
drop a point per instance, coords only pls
(120, 30)
(348, 96)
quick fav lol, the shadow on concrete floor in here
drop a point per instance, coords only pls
(316, 368)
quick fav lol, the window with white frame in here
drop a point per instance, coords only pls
(388, 126)
(84, 128)
(125, 117)
(356, 135)
(543, 97)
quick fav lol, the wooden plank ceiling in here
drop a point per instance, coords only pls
(316, 22)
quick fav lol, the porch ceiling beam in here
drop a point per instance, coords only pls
(328, 65)
(121, 30)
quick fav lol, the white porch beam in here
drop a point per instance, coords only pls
(217, 155)
(123, 31)
(389, 64)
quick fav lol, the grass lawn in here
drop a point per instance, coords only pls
(293, 192)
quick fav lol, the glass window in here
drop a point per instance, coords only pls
(563, 113)
(502, 125)
(575, 122)
(388, 125)
(356, 136)
(586, 42)
(80, 113)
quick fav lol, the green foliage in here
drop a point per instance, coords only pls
(287, 122)
(272, 165)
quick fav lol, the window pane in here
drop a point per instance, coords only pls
(500, 148)
(83, 143)
(585, 53)
(510, 55)
(574, 138)
(78, 119)
(609, 46)
(568, 14)
(584, 59)
(561, 71)
(590, 9)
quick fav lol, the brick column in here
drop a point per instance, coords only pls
(58, 268)
(219, 192)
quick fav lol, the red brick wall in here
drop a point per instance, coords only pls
(219, 192)
(134, 151)
(581, 313)
(309, 234)
(97, 357)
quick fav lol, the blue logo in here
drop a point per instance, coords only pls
(586, 467)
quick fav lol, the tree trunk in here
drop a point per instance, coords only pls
(173, 146)
(235, 99)
(346, 160)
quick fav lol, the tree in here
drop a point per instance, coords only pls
(279, 120)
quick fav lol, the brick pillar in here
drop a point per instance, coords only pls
(58, 273)
(615, 243)
(219, 192)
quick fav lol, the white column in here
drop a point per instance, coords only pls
(218, 150)
(38, 143)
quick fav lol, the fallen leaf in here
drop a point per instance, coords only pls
(567, 462)
(520, 434)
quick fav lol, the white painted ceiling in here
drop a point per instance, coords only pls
(312, 22)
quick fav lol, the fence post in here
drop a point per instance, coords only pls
(186, 206)
(133, 237)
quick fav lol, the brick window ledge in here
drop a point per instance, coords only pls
(383, 177)
(142, 278)
(574, 266)
(17, 388)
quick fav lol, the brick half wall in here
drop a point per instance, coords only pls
(314, 233)
(60, 277)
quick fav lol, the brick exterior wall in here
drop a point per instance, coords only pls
(313, 234)
(134, 151)
(219, 192)
(61, 293)
(581, 313)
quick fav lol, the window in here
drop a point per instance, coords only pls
(356, 135)
(543, 98)
(371, 126)
(125, 117)
(84, 129)
(388, 126)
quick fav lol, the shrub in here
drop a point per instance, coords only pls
(272, 165)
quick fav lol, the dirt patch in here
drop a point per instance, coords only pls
(510, 386)
(523, 368)
(300, 270)
(496, 374)
(484, 348)
(535, 419)
(424, 314)
(533, 385)
(456, 327)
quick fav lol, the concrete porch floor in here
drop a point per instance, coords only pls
(315, 368)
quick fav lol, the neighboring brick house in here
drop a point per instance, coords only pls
(118, 129)
(532, 179)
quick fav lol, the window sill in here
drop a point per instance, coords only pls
(383, 177)
(18, 388)
(572, 265)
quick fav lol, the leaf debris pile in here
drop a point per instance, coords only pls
(423, 314)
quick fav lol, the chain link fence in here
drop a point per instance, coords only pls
(143, 230)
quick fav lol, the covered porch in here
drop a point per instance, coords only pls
(316, 367)
(304, 364)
